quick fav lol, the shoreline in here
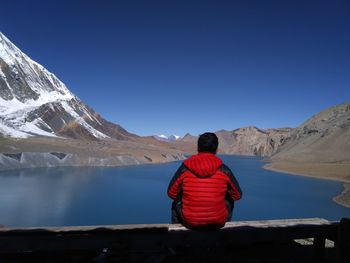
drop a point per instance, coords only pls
(342, 198)
(270, 168)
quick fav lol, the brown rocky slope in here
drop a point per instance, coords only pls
(319, 147)
(250, 141)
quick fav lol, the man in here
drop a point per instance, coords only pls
(203, 188)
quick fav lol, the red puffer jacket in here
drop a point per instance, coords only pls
(202, 183)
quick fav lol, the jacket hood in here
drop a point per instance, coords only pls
(203, 164)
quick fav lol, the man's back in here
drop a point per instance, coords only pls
(202, 184)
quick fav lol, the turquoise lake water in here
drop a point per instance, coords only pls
(137, 194)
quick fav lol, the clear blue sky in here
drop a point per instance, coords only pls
(177, 66)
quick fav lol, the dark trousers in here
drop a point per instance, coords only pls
(176, 211)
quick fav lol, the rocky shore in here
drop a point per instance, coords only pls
(344, 197)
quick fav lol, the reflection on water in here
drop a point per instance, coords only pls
(137, 194)
(34, 195)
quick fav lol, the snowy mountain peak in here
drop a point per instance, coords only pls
(23, 79)
(33, 101)
(170, 138)
(174, 137)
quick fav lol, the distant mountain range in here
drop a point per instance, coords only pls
(250, 141)
(325, 137)
(40, 112)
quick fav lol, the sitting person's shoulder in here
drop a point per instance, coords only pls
(225, 169)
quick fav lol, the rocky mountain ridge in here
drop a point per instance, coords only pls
(34, 102)
(325, 137)
(250, 141)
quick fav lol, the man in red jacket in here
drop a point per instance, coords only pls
(203, 188)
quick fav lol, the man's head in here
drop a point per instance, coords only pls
(208, 142)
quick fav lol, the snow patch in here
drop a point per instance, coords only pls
(32, 128)
(10, 132)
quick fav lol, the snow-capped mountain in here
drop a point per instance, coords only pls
(170, 138)
(33, 102)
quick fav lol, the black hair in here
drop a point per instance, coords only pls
(208, 142)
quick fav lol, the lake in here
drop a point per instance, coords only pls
(137, 194)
